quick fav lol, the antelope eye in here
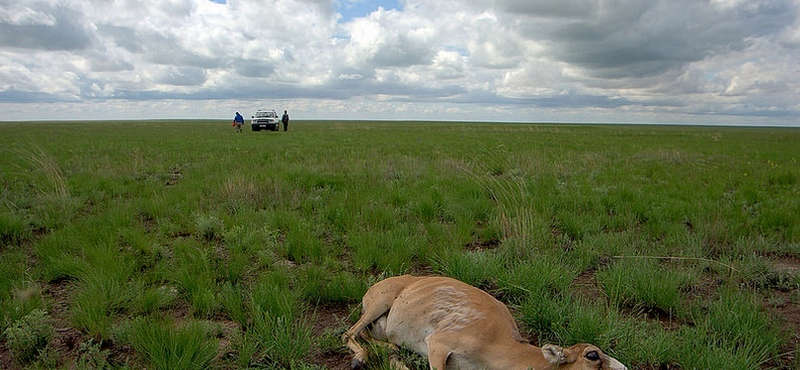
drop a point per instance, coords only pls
(592, 356)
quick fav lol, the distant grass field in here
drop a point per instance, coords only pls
(181, 245)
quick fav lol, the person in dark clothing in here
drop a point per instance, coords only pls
(285, 120)
(238, 122)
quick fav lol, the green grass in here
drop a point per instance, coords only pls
(734, 333)
(666, 246)
(646, 285)
(167, 346)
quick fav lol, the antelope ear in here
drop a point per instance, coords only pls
(553, 354)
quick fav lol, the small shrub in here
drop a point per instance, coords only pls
(27, 337)
(92, 356)
(209, 228)
(17, 298)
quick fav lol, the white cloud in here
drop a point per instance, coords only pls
(19, 15)
(667, 60)
(449, 65)
(386, 38)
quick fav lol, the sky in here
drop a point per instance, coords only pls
(729, 62)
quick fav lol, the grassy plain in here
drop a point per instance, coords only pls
(181, 245)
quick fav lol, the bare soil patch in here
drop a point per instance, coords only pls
(789, 264)
(586, 286)
(481, 245)
(331, 320)
(5, 357)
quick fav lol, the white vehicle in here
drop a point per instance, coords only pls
(265, 119)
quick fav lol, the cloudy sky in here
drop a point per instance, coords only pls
(653, 61)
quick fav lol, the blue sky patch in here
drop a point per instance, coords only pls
(350, 9)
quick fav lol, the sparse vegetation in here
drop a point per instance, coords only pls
(180, 245)
(29, 336)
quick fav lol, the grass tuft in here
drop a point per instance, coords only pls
(168, 346)
(645, 285)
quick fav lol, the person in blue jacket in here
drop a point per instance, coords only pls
(238, 122)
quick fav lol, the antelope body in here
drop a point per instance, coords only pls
(458, 327)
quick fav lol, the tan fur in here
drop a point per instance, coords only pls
(458, 326)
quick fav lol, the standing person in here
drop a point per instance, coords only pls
(238, 122)
(285, 120)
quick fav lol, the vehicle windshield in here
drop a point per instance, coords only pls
(266, 114)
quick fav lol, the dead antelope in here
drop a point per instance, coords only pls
(458, 326)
